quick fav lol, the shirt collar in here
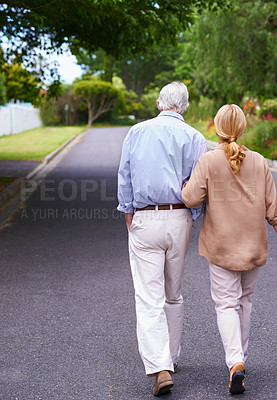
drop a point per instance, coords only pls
(174, 114)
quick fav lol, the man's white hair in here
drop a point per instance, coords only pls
(174, 96)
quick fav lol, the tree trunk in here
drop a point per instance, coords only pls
(89, 113)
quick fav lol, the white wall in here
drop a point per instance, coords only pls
(16, 118)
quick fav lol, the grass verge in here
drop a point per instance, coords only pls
(35, 144)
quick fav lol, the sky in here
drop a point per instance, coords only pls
(68, 68)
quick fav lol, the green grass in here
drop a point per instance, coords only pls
(35, 144)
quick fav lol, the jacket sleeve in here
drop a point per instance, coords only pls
(195, 189)
(270, 197)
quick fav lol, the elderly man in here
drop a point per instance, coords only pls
(158, 155)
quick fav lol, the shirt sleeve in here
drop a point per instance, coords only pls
(125, 189)
(200, 147)
(270, 197)
(195, 189)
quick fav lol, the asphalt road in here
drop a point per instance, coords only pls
(67, 318)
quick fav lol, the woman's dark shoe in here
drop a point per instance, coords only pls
(236, 384)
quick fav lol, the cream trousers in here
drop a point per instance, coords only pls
(232, 292)
(158, 243)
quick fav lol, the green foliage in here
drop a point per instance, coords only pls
(21, 84)
(261, 136)
(148, 104)
(202, 109)
(131, 102)
(124, 121)
(155, 66)
(91, 62)
(55, 89)
(235, 53)
(2, 89)
(268, 109)
(99, 97)
(184, 62)
(52, 111)
(48, 113)
(128, 97)
(119, 27)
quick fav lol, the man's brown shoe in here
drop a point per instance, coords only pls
(175, 366)
(163, 383)
(236, 384)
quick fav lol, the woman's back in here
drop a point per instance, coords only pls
(234, 232)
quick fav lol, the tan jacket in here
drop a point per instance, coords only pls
(234, 231)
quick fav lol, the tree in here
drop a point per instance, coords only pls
(119, 27)
(2, 79)
(21, 84)
(52, 111)
(99, 97)
(2, 90)
(235, 54)
(137, 72)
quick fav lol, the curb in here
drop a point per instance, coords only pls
(12, 189)
(271, 163)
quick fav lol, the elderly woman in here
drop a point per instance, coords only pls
(240, 195)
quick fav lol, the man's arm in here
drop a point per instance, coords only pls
(125, 189)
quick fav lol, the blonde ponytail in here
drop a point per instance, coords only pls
(235, 155)
(230, 123)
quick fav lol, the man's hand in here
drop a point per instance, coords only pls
(129, 219)
(275, 227)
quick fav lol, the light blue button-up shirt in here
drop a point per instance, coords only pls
(158, 155)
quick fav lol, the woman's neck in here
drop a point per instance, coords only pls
(220, 140)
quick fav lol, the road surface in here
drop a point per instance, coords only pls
(67, 302)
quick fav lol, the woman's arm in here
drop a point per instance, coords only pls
(194, 190)
(270, 198)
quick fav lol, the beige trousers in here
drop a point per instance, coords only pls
(158, 243)
(232, 292)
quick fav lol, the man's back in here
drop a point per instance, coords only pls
(161, 154)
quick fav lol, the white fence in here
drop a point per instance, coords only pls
(16, 118)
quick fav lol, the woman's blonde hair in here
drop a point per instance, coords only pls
(230, 124)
